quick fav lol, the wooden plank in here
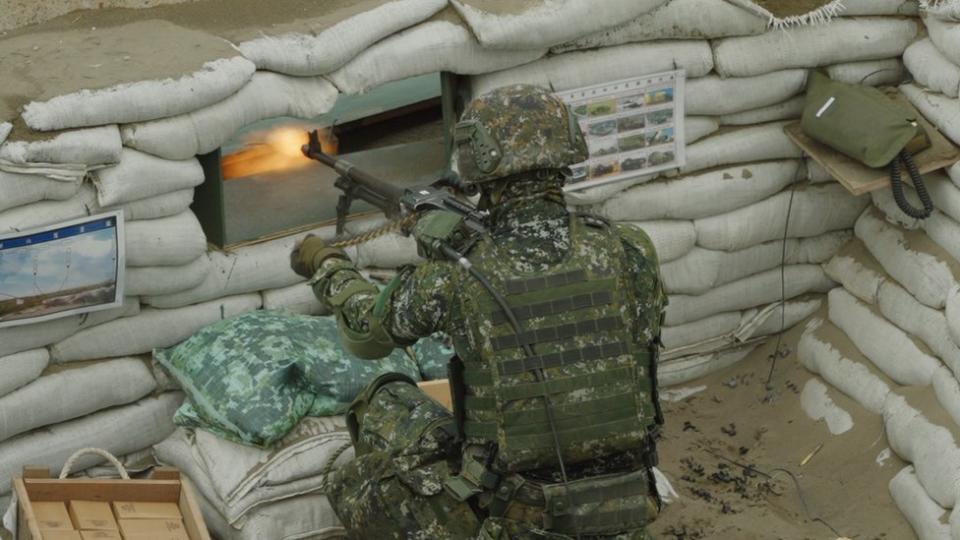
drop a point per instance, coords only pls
(27, 527)
(36, 471)
(860, 179)
(103, 490)
(192, 517)
(165, 473)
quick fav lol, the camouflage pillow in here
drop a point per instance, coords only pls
(251, 378)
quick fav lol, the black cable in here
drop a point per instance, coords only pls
(783, 280)
(896, 182)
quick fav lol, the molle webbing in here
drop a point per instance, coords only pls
(556, 385)
(556, 333)
(555, 307)
(521, 286)
(565, 358)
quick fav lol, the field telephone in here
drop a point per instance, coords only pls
(867, 125)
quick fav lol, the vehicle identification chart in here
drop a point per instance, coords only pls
(633, 127)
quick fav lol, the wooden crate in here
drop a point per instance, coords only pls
(165, 485)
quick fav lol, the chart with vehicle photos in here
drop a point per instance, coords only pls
(633, 127)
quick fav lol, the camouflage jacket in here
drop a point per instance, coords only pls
(535, 233)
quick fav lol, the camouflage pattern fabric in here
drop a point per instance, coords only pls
(531, 229)
(516, 129)
(251, 378)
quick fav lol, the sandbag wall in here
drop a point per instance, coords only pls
(131, 144)
(891, 337)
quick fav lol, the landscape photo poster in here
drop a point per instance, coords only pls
(63, 269)
(633, 127)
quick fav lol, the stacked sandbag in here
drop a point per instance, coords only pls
(241, 487)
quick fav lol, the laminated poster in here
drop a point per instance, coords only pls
(633, 127)
(62, 269)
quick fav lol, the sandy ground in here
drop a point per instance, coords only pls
(786, 8)
(735, 418)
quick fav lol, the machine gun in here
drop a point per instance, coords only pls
(401, 205)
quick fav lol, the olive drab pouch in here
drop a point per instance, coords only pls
(866, 125)
(600, 505)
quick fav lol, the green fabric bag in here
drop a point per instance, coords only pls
(253, 377)
(858, 121)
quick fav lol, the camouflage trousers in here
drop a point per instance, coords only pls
(406, 449)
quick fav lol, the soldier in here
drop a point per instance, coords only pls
(555, 318)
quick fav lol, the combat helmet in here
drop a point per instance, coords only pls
(516, 129)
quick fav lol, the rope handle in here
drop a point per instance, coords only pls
(71, 461)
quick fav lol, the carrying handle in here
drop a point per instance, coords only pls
(102, 453)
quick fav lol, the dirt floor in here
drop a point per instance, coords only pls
(736, 419)
(786, 8)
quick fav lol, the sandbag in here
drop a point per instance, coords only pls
(777, 317)
(297, 298)
(714, 326)
(946, 10)
(213, 71)
(329, 42)
(584, 68)
(931, 68)
(742, 94)
(29, 216)
(119, 431)
(140, 175)
(314, 447)
(946, 36)
(20, 189)
(828, 352)
(818, 404)
(858, 271)
(941, 111)
(672, 238)
(928, 519)
(883, 200)
(169, 241)
(162, 280)
(702, 195)
(880, 341)
(786, 110)
(148, 330)
(879, 7)
(598, 194)
(540, 24)
(763, 142)
(910, 257)
(703, 269)
(947, 389)
(945, 194)
(945, 232)
(921, 432)
(159, 206)
(21, 368)
(16, 339)
(253, 377)
(816, 173)
(437, 45)
(242, 270)
(869, 72)
(835, 42)
(677, 19)
(762, 288)
(698, 127)
(92, 147)
(924, 323)
(688, 369)
(306, 516)
(267, 95)
(68, 394)
(5, 129)
(816, 210)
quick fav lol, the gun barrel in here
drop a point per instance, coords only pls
(353, 174)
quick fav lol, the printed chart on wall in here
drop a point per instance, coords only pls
(633, 127)
(64, 269)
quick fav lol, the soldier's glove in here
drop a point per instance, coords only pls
(309, 254)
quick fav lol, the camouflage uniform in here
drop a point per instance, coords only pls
(409, 447)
